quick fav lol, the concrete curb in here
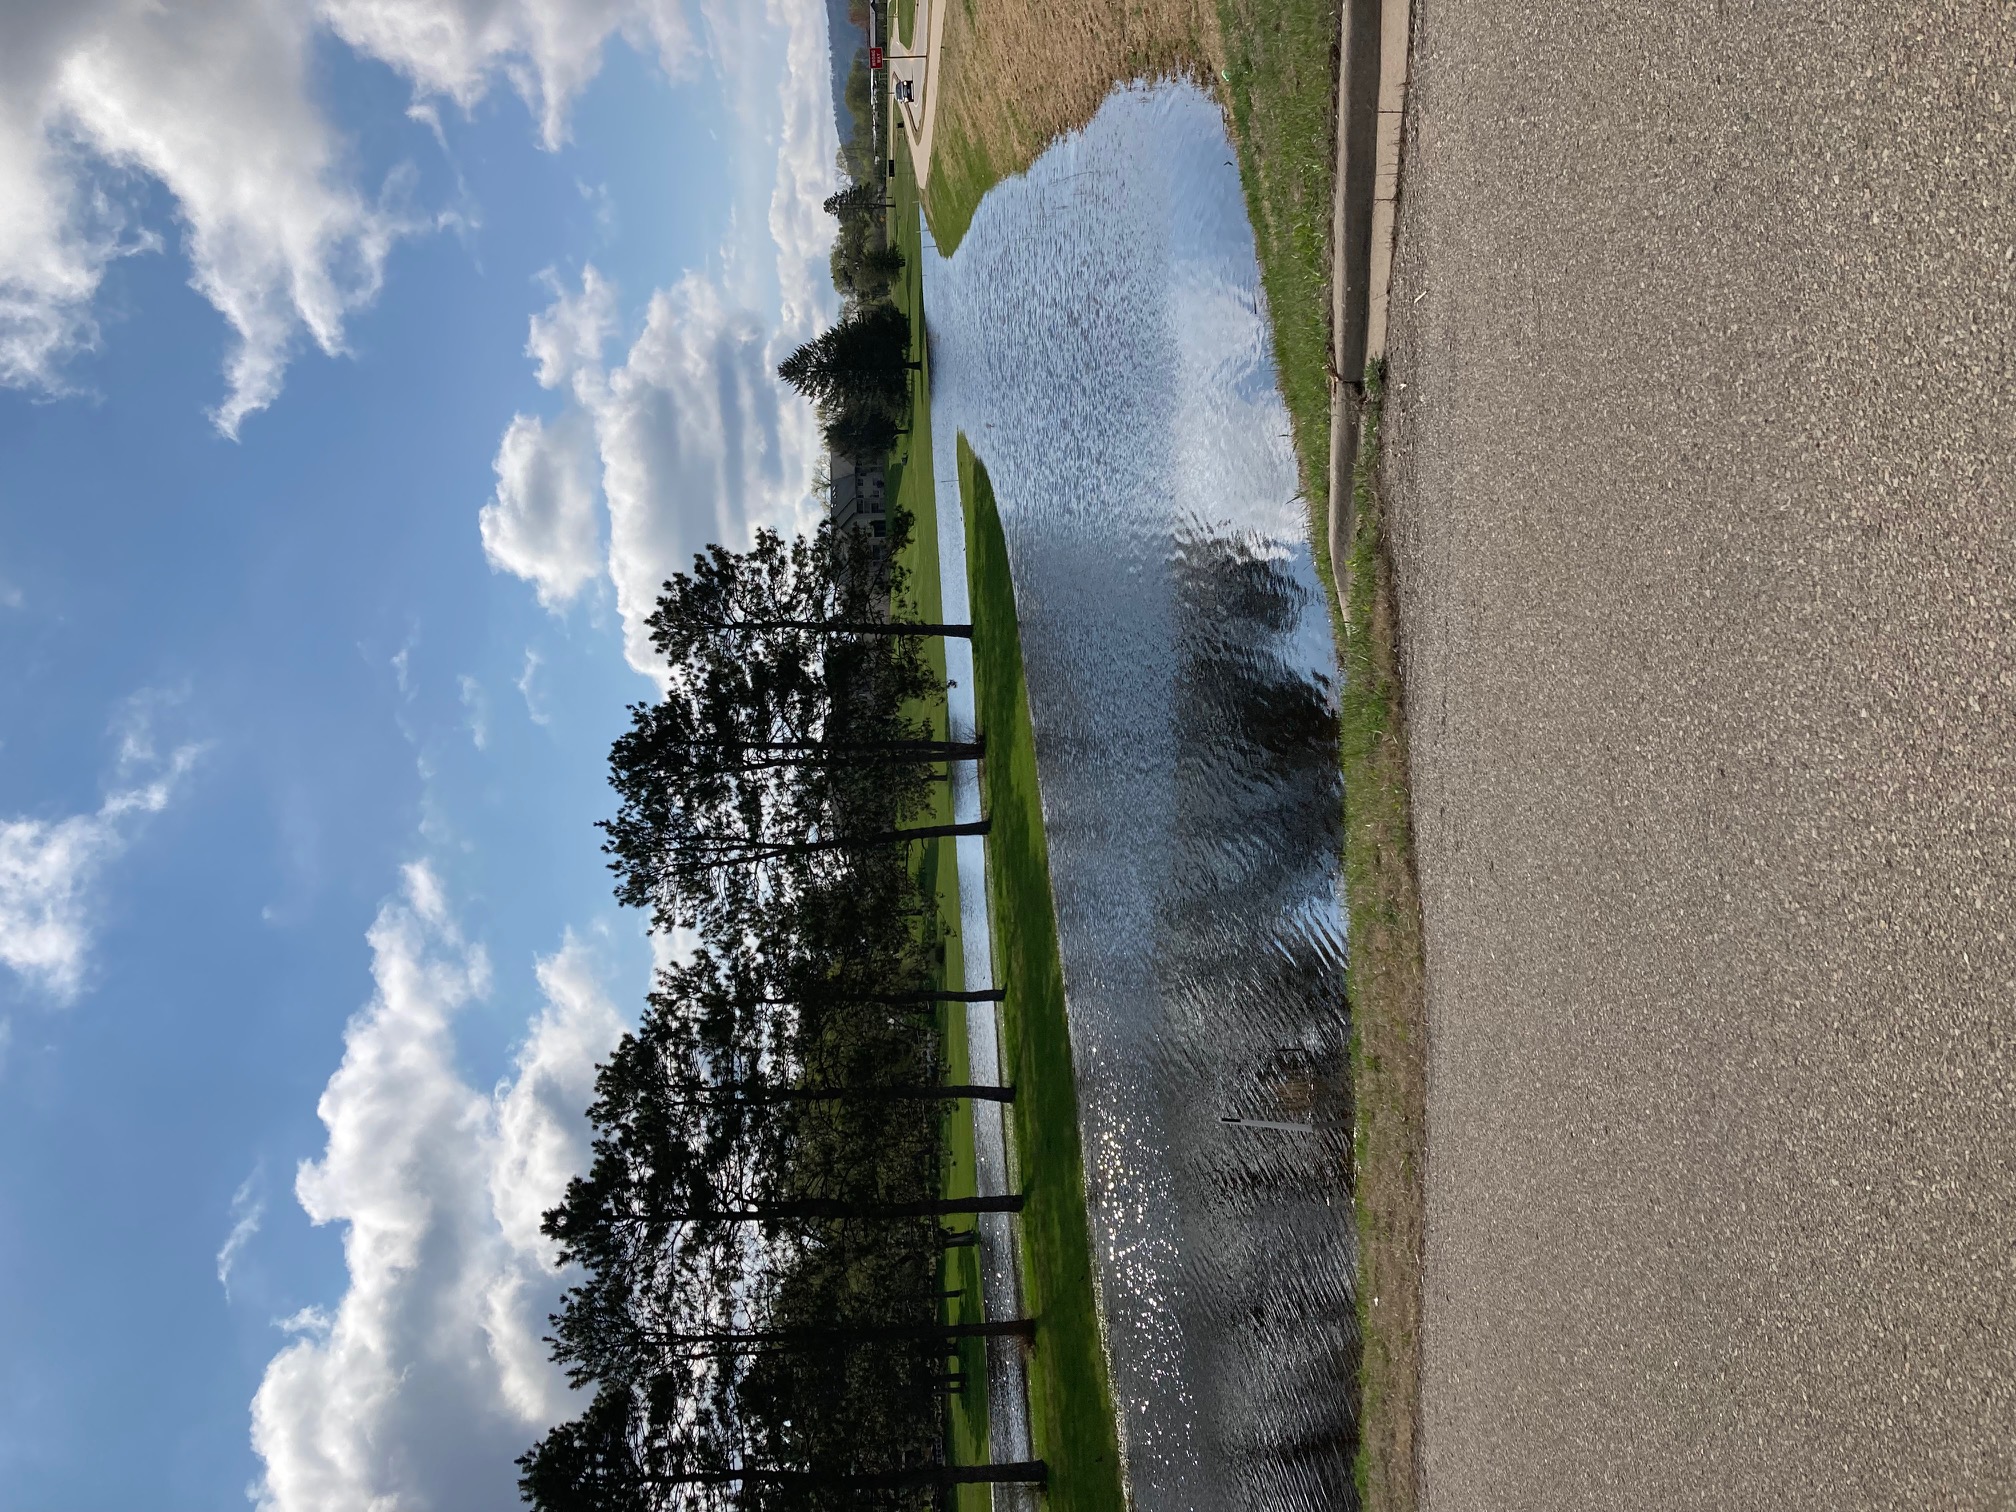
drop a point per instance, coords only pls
(1371, 106)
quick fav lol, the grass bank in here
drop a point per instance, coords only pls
(1072, 1421)
(1386, 988)
(1278, 82)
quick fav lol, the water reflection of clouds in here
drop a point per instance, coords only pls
(1102, 339)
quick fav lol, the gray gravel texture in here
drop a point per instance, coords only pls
(1701, 487)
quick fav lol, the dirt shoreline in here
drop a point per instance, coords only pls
(1701, 487)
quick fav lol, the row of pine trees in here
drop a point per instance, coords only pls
(857, 372)
(758, 1316)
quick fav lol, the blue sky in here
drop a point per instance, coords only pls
(363, 366)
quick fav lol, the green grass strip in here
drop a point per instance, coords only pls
(912, 486)
(1072, 1422)
(1280, 89)
(962, 171)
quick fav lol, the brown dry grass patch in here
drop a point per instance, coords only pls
(1018, 74)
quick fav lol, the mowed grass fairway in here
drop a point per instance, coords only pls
(911, 486)
(938, 873)
(1071, 1400)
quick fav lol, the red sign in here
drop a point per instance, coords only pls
(875, 60)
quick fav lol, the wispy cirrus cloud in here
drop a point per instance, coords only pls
(50, 868)
(475, 711)
(248, 1208)
(528, 689)
(549, 50)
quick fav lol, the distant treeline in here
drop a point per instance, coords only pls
(757, 1319)
(861, 155)
(857, 372)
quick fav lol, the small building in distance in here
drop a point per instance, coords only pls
(857, 501)
(859, 496)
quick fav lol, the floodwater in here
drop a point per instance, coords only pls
(1101, 340)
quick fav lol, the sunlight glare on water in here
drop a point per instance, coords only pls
(1100, 338)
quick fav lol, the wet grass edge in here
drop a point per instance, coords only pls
(1072, 1420)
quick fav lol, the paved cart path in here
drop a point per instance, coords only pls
(1702, 472)
(922, 72)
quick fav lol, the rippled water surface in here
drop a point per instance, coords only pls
(1100, 339)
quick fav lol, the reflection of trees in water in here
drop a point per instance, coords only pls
(1190, 773)
(1252, 948)
(1251, 968)
(1258, 814)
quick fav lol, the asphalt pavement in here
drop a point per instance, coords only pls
(1701, 475)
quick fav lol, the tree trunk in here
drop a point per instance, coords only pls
(1015, 1472)
(834, 1207)
(734, 852)
(925, 997)
(923, 1333)
(938, 1092)
(957, 750)
(850, 627)
(768, 755)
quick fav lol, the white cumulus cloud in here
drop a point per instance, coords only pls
(215, 103)
(542, 523)
(49, 868)
(694, 445)
(569, 335)
(697, 439)
(429, 1376)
